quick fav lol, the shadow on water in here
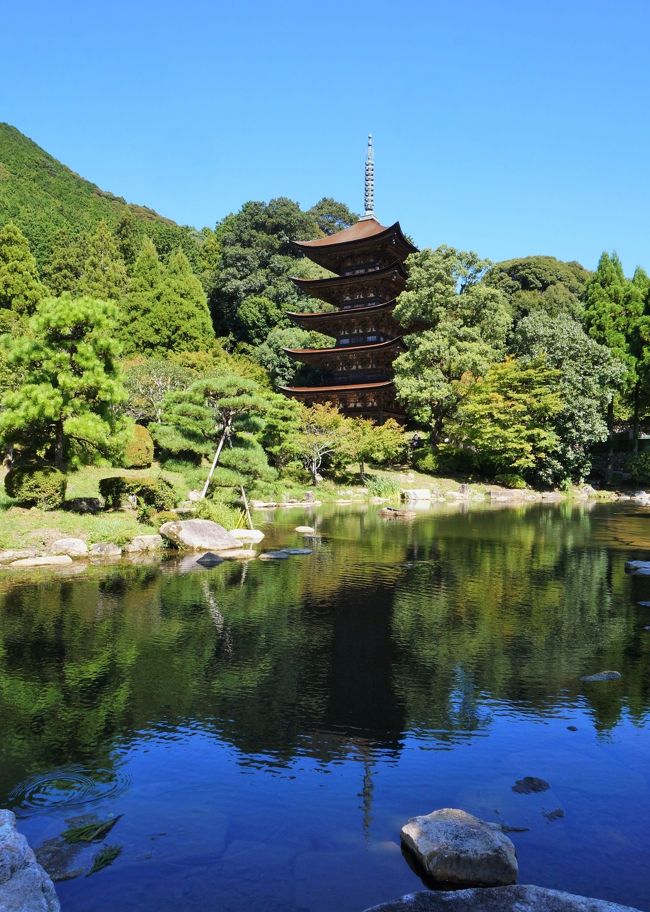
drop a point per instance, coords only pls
(266, 728)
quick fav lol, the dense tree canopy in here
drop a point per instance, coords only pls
(540, 283)
(65, 409)
(20, 287)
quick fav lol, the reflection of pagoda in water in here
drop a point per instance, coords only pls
(367, 260)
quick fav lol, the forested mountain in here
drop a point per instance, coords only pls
(42, 196)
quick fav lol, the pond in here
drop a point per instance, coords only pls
(263, 730)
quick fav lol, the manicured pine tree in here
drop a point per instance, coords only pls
(20, 287)
(104, 273)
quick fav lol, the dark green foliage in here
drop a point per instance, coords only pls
(638, 466)
(166, 309)
(510, 480)
(157, 493)
(35, 485)
(20, 288)
(138, 452)
(148, 381)
(331, 216)
(257, 259)
(65, 265)
(104, 271)
(105, 857)
(283, 369)
(90, 832)
(424, 460)
(540, 283)
(42, 196)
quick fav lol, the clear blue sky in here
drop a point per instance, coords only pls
(510, 127)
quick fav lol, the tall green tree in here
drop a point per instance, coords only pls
(506, 417)
(166, 308)
(66, 409)
(65, 265)
(614, 309)
(455, 324)
(540, 284)
(104, 273)
(587, 379)
(20, 287)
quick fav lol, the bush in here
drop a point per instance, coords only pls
(154, 493)
(510, 480)
(138, 453)
(425, 461)
(382, 487)
(638, 466)
(159, 519)
(227, 516)
(36, 486)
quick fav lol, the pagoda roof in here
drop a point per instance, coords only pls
(368, 346)
(329, 316)
(366, 232)
(393, 278)
(345, 387)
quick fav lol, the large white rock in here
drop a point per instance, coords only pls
(73, 547)
(306, 530)
(199, 535)
(24, 885)
(522, 898)
(44, 560)
(247, 535)
(416, 494)
(143, 543)
(455, 847)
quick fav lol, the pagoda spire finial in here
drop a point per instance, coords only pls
(369, 188)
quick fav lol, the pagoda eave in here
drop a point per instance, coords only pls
(316, 355)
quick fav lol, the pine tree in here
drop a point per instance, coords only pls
(613, 309)
(20, 287)
(129, 238)
(65, 264)
(104, 272)
(65, 408)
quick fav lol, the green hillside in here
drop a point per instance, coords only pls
(41, 195)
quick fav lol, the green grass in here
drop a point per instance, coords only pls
(35, 528)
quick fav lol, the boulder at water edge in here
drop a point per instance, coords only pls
(73, 547)
(143, 543)
(198, 535)
(105, 550)
(454, 847)
(43, 560)
(522, 898)
(24, 885)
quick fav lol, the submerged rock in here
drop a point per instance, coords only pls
(274, 555)
(602, 676)
(73, 547)
(247, 535)
(297, 550)
(198, 535)
(24, 885)
(43, 560)
(530, 784)
(555, 814)
(456, 848)
(522, 898)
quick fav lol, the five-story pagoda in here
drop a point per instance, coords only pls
(367, 260)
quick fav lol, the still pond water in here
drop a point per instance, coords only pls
(265, 729)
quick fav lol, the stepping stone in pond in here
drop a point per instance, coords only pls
(602, 676)
(556, 814)
(530, 784)
(274, 555)
(298, 550)
(209, 559)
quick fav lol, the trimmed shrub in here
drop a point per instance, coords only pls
(36, 486)
(425, 461)
(638, 466)
(155, 493)
(138, 453)
(510, 480)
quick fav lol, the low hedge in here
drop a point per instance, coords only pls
(35, 485)
(156, 493)
(138, 453)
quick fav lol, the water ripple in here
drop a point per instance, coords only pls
(70, 786)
